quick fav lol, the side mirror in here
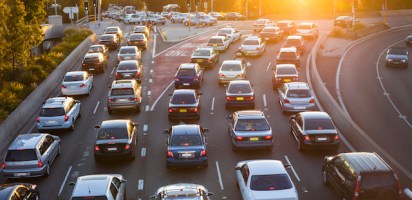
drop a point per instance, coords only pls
(72, 183)
(205, 130)
(199, 93)
(135, 124)
(287, 166)
(97, 126)
(292, 117)
(210, 194)
(124, 181)
(76, 101)
(166, 131)
(237, 168)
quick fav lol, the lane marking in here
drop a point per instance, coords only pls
(149, 93)
(150, 80)
(147, 108)
(264, 101)
(158, 98)
(213, 105)
(95, 108)
(31, 129)
(154, 48)
(112, 71)
(145, 127)
(267, 68)
(143, 153)
(151, 71)
(292, 168)
(140, 185)
(155, 29)
(219, 176)
(64, 181)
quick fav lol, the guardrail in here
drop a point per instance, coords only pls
(85, 19)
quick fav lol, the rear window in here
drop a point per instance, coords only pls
(91, 60)
(122, 91)
(127, 51)
(251, 42)
(397, 51)
(112, 133)
(111, 30)
(139, 29)
(215, 40)
(90, 197)
(136, 37)
(305, 27)
(286, 71)
(260, 21)
(186, 140)
(292, 42)
(270, 30)
(318, 124)
(299, 93)
(282, 24)
(71, 78)
(106, 37)
(239, 88)
(270, 182)
(377, 180)
(202, 53)
(127, 66)
(224, 32)
(186, 72)
(50, 112)
(231, 67)
(287, 55)
(21, 155)
(252, 125)
(183, 99)
(95, 49)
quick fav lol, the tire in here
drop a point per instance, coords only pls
(163, 23)
(300, 146)
(172, 20)
(325, 177)
(47, 173)
(132, 156)
(137, 109)
(110, 112)
(71, 128)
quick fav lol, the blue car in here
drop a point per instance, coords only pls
(189, 75)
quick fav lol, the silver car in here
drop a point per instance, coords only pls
(100, 186)
(129, 53)
(58, 113)
(77, 83)
(250, 129)
(296, 97)
(182, 191)
(231, 70)
(30, 155)
(253, 46)
(124, 95)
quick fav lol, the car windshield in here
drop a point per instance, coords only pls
(305, 27)
(377, 180)
(127, 66)
(215, 41)
(239, 88)
(136, 37)
(287, 55)
(121, 91)
(111, 30)
(286, 71)
(112, 133)
(183, 99)
(201, 53)
(50, 112)
(252, 125)
(127, 51)
(251, 42)
(282, 24)
(397, 51)
(90, 197)
(260, 21)
(186, 72)
(270, 30)
(270, 182)
(106, 37)
(21, 155)
(95, 49)
(74, 77)
(299, 93)
(292, 42)
(231, 67)
(318, 124)
(224, 32)
(139, 29)
(186, 140)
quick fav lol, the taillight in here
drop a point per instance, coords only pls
(84, 64)
(195, 110)
(336, 138)
(176, 79)
(221, 75)
(239, 138)
(83, 85)
(39, 163)
(110, 100)
(38, 119)
(228, 98)
(137, 74)
(66, 118)
(170, 110)
(117, 75)
(127, 146)
(398, 184)
(269, 137)
(133, 99)
(203, 153)
(306, 138)
(249, 98)
(286, 101)
(357, 188)
(3, 166)
(169, 154)
(196, 78)
(312, 101)
(96, 148)
(63, 86)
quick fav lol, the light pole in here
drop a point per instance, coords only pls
(247, 9)
(55, 7)
(211, 5)
(334, 8)
(260, 8)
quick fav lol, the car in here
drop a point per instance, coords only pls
(31, 155)
(296, 97)
(186, 146)
(99, 186)
(265, 179)
(129, 69)
(288, 55)
(289, 27)
(110, 40)
(231, 70)
(200, 20)
(396, 56)
(132, 19)
(184, 104)
(129, 53)
(116, 139)
(124, 95)
(259, 24)
(189, 75)
(19, 191)
(314, 130)
(361, 175)
(271, 34)
(141, 29)
(99, 48)
(216, 15)
(182, 190)
(253, 46)
(77, 83)
(155, 19)
(284, 73)
(165, 14)
(240, 93)
(114, 30)
(205, 56)
(232, 34)
(408, 40)
(343, 21)
(178, 17)
(235, 16)
(308, 30)
(138, 39)
(94, 62)
(58, 113)
(218, 43)
(296, 41)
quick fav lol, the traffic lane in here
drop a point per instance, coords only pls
(359, 87)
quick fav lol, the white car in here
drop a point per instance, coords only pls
(178, 17)
(308, 30)
(232, 70)
(77, 83)
(218, 43)
(132, 19)
(230, 33)
(265, 179)
(253, 46)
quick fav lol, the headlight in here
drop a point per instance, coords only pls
(403, 61)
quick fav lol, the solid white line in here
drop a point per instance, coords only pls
(149, 93)
(267, 68)
(31, 129)
(154, 47)
(213, 104)
(158, 98)
(145, 127)
(151, 71)
(219, 176)
(95, 108)
(140, 185)
(65, 179)
(293, 169)
(147, 108)
(264, 101)
(112, 71)
(155, 29)
(143, 153)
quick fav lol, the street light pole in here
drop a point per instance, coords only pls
(55, 7)
(260, 8)
(247, 9)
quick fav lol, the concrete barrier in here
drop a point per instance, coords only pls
(27, 111)
(408, 193)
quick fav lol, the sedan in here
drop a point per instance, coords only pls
(232, 70)
(138, 39)
(116, 138)
(189, 75)
(296, 97)
(99, 48)
(314, 130)
(184, 104)
(240, 93)
(129, 53)
(397, 56)
(205, 56)
(284, 73)
(253, 46)
(128, 69)
(77, 83)
(141, 29)
(110, 40)
(265, 179)
(274, 34)
(186, 146)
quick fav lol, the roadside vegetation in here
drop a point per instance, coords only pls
(340, 32)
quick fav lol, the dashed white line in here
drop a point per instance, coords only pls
(213, 104)
(150, 80)
(264, 101)
(140, 185)
(219, 176)
(293, 169)
(154, 47)
(145, 127)
(112, 71)
(64, 181)
(151, 71)
(95, 108)
(143, 153)
(267, 68)
(147, 108)
(149, 93)
(155, 29)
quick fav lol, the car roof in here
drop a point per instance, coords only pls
(92, 185)
(126, 83)
(252, 37)
(181, 189)
(248, 114)
(26, 141)
(112, 35)
(92, 55)
(343, 17)
(297, 85)
(187, 65)
(285, 21)
(97, 45)
(185, 129)
(314, 115)
(307, 23)
(288, 49)
(129, 62)
(55, 102)
(139, 27)
(239, 82)
(75, 73)
(184, 91)
(232, 62)
(265, 167)
(128, 47)
(137, 34)
(117, 123)
(113, 27)
(365, 162)
(294, 37)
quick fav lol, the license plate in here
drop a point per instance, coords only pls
(91, 69)
(136, 42)
(51, 122)
(127, 57)
(122, 100)
(240, 98)
(186, 84)
(112, 149)
(249, 52)
(254, 139)
(183, 110)
(395, 62)
(127, 75)
(21, 174)
(286, 80)
(199, 60)
(299, 107)
(266, 38)
(215, 45)
(72, 86)
(322, 139)
(186, 155)
(107, 42)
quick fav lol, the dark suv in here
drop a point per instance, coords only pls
(189, 75)
(94, 62)
(361, 175)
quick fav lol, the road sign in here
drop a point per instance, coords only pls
(69, 10)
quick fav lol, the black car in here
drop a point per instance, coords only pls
(15, 191)
(397, 56)
(288, 55)
(116, 138)
(184, 104)
(110, 40)
(235, 16)
(205, 56)
(239, 93)
(138, 39)
(94, 62)
(189, 75)
(408, 40)
(186, 146)
(314, 130)
(129, 69)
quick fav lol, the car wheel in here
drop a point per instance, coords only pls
(137, 109)
(300, 145)
(47, 173)
(132, 156)
(72, 126)
(163, 23)
(234, 148)
(325, 178)
(110, 111)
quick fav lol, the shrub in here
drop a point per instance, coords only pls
(359, 26)
(338, 32)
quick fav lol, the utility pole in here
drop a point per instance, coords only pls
(98, 12)
(55, 7)
(260, 8)
(385, 10)
(353, 14)
(211, 5)
(247, 9)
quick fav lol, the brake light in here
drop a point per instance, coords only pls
(110, 100)
(257, 48)
(399, 184)
(39, 163)
(138, 74)
(228, 98)
(278, 79)
(96, 148)
(336, 138)
(239, 138)
(250, 98)
(196, 78)
(63, 86)
(306, 138)
(127, 146)
(133, 99)
(269, 137)
(176, 79)
(169, 154)
(3, 166)
(203, 153)
(84, 64)
(312, 101)
(83, 85)
(286, 101)
(38, 119)
(357, 188)
(66, 118)
(221, 75)
(117, 75)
